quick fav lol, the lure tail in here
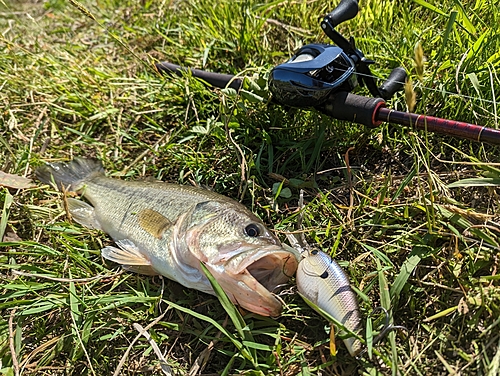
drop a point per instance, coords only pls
(69, 176)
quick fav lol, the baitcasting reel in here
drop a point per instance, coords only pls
(318, 70)
(323, 76)
(310, 76)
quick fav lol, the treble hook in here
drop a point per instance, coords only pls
(386, 329)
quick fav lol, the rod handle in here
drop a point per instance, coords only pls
(352, 107)
(215, 79)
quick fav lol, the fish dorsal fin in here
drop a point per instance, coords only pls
(129, 256)
(153, 222)
(83, 213)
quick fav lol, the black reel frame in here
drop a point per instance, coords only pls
(346, 10)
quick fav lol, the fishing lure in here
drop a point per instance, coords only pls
(322, 282)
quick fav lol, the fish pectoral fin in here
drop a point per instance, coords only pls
(141, 269)
(83, 213)
(129, 256)
(153, 222)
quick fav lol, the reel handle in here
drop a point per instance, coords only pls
(346, 10)
(394, 83)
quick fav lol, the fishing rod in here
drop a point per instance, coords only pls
(323, 76)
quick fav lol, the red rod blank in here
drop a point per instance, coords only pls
(444, 126)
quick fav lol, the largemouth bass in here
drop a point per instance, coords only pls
(168, 229)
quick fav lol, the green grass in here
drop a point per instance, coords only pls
(74, 86)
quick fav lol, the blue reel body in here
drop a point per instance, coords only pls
(311, 75)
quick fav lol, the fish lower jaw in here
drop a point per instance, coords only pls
(250, 273)
(246, 291)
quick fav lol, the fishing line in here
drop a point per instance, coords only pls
(450, 93)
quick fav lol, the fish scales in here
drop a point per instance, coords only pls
(169, 229)
(125, 200)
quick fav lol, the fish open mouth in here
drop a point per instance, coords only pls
(250, 277)
(273, 270)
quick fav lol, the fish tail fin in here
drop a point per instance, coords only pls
(69, 175)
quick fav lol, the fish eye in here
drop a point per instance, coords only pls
(252, 230)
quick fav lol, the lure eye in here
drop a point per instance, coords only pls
(252, 230)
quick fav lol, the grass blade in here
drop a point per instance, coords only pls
(431, 7)
(7, 202)
(475, 182)
(229, 307)
(331, 319)
(407, 268)
(211, 321)
(369, 337)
